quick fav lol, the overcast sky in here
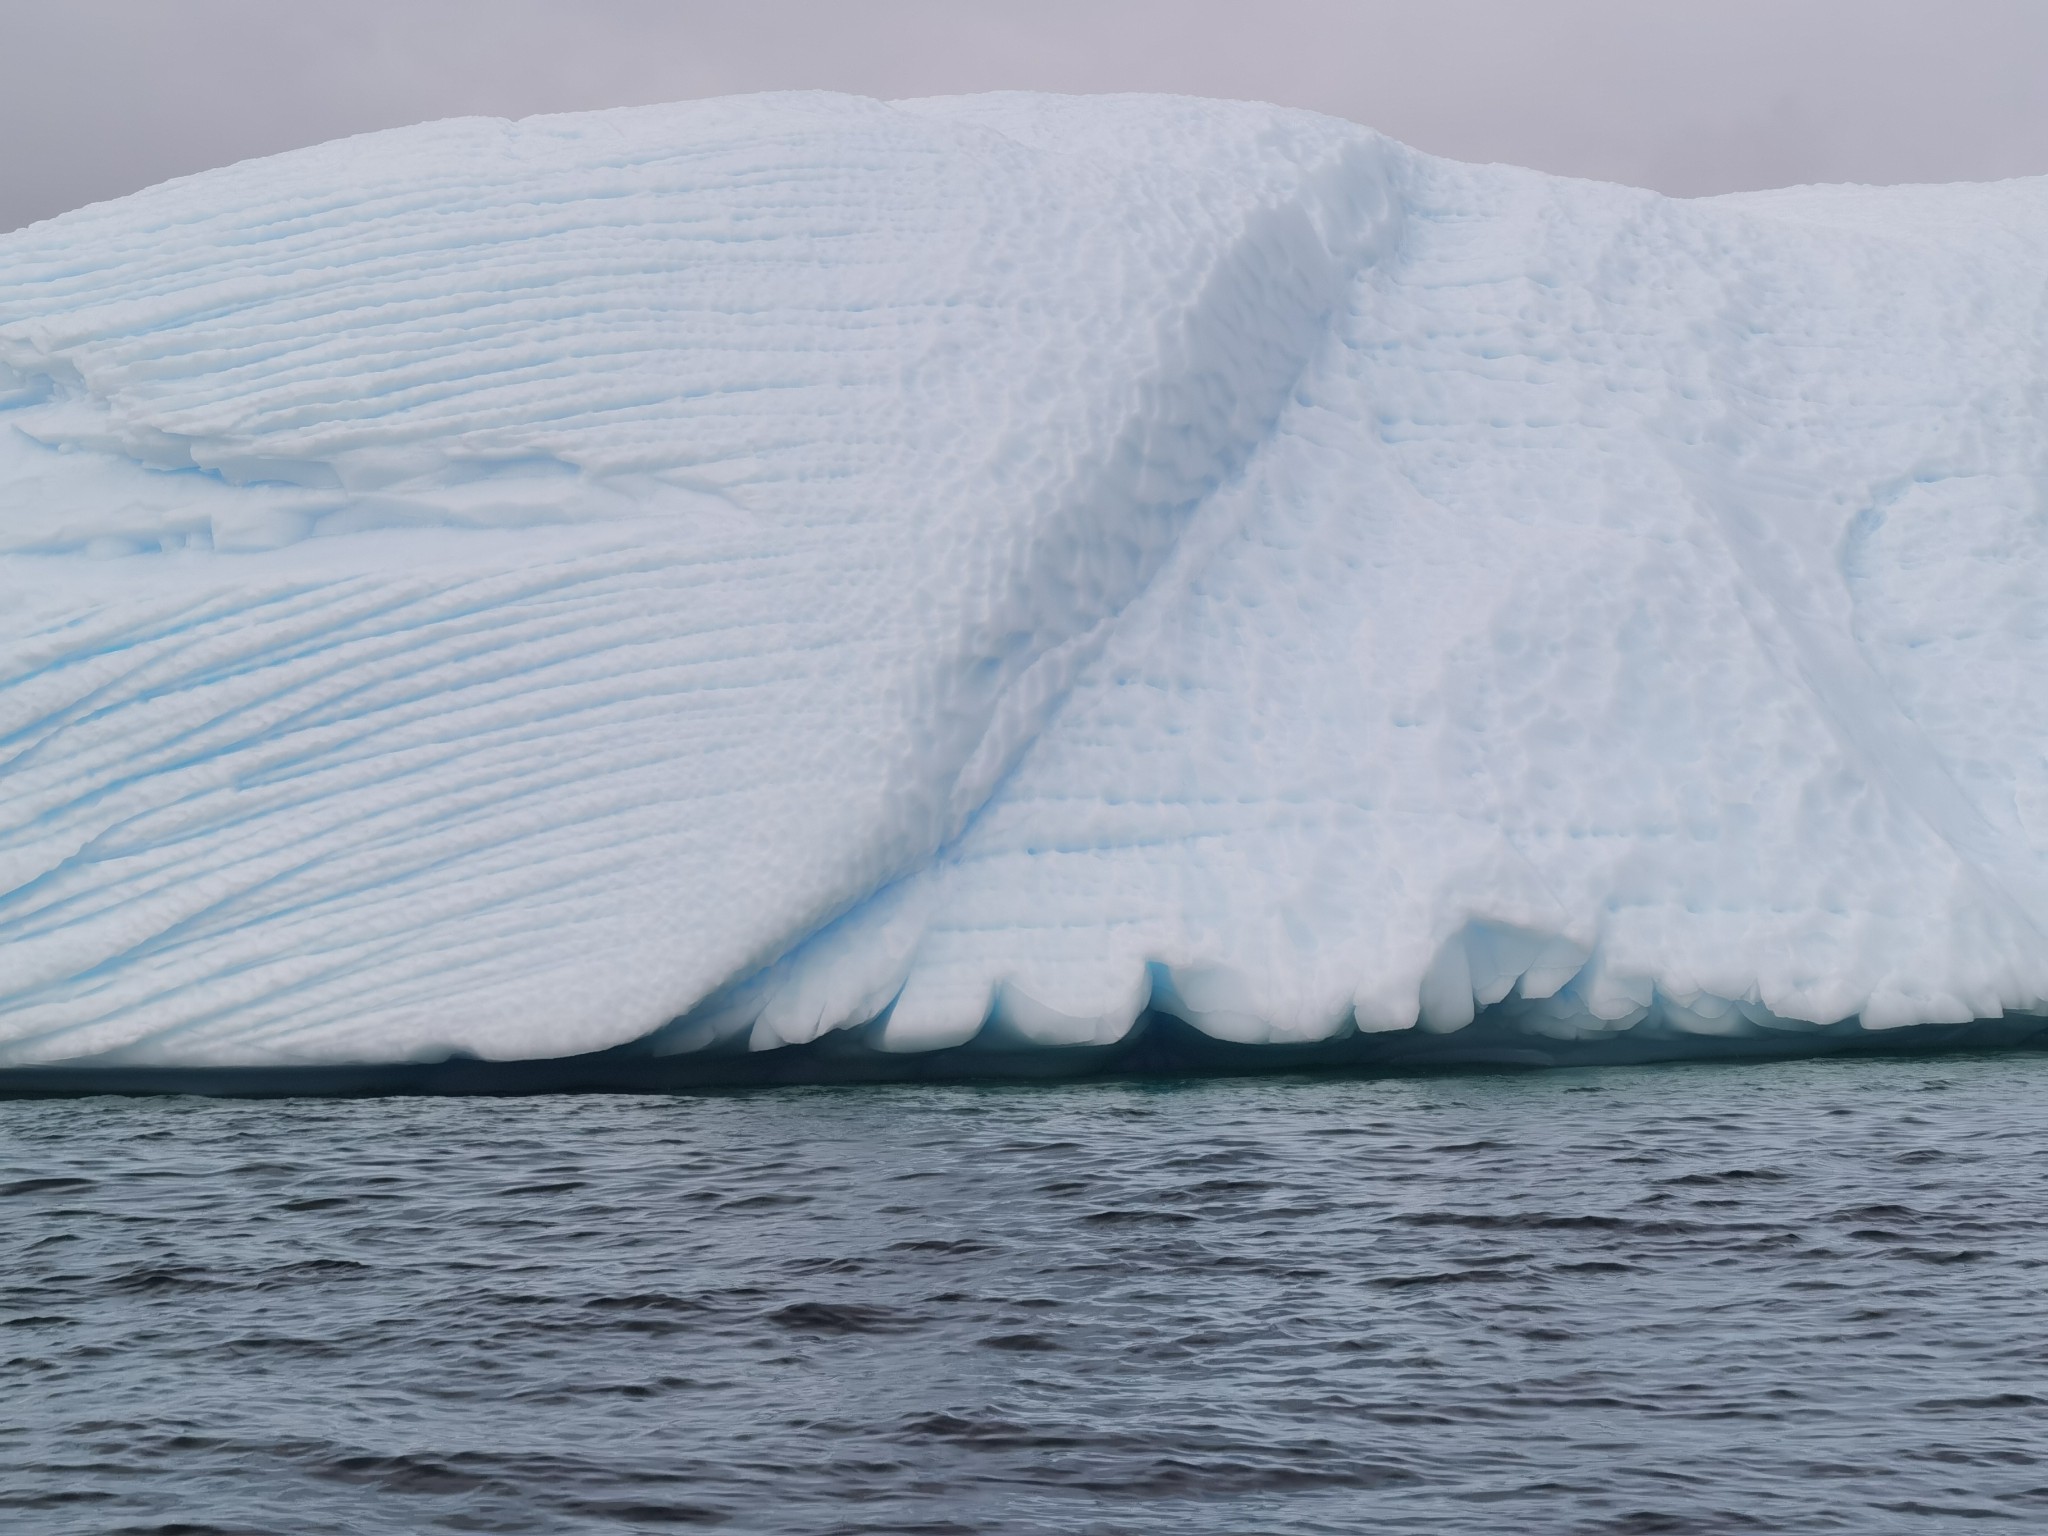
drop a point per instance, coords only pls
(1689, 96)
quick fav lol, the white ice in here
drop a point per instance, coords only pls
(761, 567)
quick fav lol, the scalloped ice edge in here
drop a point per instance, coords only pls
(1157, 1047)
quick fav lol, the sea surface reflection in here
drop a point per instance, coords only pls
(1783, 1297)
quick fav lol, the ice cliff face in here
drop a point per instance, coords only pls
(761, 567)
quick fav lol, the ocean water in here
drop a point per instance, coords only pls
(1807, 1296)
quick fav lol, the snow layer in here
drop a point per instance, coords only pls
(735, 571)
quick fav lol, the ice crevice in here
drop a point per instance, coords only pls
(983, 572)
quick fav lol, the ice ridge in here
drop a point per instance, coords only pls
(975, 570)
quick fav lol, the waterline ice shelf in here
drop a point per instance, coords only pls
(715, 577)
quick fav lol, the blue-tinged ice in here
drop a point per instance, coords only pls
(744, 570)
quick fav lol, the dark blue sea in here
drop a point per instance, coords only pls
(1798, 1296)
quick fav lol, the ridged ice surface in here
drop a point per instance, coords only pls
(755, 568)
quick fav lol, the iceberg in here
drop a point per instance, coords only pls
(804, 574)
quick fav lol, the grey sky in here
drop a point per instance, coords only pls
(1690, 96)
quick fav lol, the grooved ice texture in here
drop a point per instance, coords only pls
(735, 571)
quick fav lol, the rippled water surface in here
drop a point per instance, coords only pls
(1792, 1297)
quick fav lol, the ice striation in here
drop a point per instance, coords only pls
(725, 575)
